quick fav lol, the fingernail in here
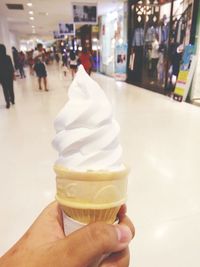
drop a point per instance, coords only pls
(123, 233)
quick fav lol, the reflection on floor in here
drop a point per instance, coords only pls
(161, 144)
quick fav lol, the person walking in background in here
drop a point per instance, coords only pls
(64, 59)
(40, 68)
(86, 60)
(6, 76)
(21, 64)
(65, 63)
(15, 58)
(30, 61)
(57, 58)
(73, 63)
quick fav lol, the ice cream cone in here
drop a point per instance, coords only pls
(91, 196)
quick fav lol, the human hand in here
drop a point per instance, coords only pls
(45, 244)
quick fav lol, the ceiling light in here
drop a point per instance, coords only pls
(31, 18)
(43, 13)
(29, 4)
(30, 12)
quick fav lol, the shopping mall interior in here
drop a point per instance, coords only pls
(143, 56)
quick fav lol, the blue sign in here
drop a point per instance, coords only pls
(120, 61)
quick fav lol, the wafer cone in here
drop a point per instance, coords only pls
(91, 196)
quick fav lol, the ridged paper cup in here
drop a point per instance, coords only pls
(91, 196)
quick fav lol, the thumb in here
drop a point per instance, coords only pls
(82, 247)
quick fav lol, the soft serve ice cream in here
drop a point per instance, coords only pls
(86, 132)
(91, 178)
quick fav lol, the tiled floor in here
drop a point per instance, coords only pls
(161, 141)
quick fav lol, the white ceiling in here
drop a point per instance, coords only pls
(58, 11)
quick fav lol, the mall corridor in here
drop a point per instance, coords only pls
(160, 139)
(74, 156)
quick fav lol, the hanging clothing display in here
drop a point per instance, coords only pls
(150, 34)
(156, 29)
(138, 37)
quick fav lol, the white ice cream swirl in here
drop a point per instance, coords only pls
(86, 132)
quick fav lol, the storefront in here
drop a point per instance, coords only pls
(195, 89)
(113, 35)
(87, 36)
(159, 30)
(84, 35)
